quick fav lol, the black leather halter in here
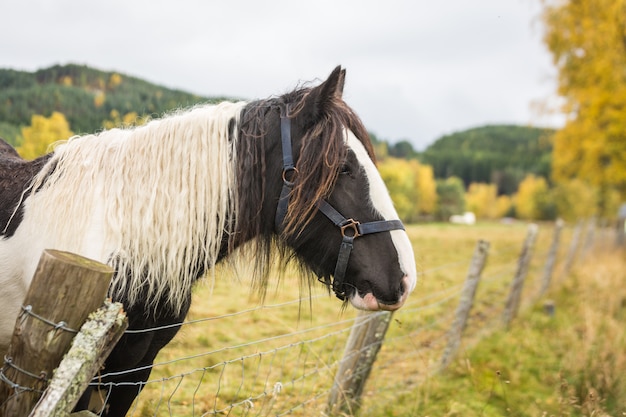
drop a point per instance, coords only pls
(350, 229)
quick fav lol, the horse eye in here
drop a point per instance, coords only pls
(345, 169)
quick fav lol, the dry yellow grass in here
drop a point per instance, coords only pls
(280, 357)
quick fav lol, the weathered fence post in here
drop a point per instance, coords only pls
(589, 237)
(89, 349)
(573, 248)
(465, 304)
(551, 259)
(515, 294)
(620, 229)
(64, 290)
(362, 347)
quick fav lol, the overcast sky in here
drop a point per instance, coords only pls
(416, 69)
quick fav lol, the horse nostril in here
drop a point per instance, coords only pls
(392, 297)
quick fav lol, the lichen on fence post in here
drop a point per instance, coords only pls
(89, 349)
(515, 294)
(65, 289)
(466, 301)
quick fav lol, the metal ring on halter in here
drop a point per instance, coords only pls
(288, 175)
(350, 225)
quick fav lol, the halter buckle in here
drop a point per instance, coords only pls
(352, 225)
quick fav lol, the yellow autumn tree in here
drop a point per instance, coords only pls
(127, 120)
(411, 185)
(587, 41)
(426, 188)
(43, 132)
(504, 204)
(575, 199)
(534, 199)
(481, 199)
(398, 179)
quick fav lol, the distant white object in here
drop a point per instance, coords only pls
(466, 218)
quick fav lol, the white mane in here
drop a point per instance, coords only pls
(154, 201)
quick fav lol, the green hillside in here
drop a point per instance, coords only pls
(499, 154)
(86, 97)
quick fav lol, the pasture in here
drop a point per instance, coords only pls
(278, 356)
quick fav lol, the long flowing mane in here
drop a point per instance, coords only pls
(163, 196)
(158, 201)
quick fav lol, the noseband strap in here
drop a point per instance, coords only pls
(350, 229)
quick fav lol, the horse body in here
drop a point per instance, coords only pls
(163, 203)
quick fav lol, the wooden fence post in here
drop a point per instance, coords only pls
(362, 347)
(64, 290)
(89, 349)
(551, 259)
(620, 232)
(515, 294)
(573, 248)
(589, 237)
(465, 304)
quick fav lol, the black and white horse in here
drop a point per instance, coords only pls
(164, 202)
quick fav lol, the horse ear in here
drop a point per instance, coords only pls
(319, 100)
(342, 81)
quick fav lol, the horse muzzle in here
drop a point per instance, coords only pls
(369, 301)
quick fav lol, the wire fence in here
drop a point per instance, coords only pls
(282, 358)
(292, 373)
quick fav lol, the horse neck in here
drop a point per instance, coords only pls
(165, 195)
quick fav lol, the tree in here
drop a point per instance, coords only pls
(426, 188)
(42, 133)
(450, 198)
(380, 146)
(411, 186)
(481, 199)
(587, 39)
(575, 199)
(534, 200)
(128, 120)
(498, 154)
(504, 206)
(403, 149)
(10, 133)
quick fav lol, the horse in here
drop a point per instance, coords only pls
(291, 175)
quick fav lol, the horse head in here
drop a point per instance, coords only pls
(324, 198)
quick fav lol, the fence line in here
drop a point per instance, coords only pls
(293, 372)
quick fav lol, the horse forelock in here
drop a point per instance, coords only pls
(154, 201)
(323, 151)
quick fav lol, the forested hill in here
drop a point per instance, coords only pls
(90, 99)
(498, 154)
(86, 96)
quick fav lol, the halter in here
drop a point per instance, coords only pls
(350, 228)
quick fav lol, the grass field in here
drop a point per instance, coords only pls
(279, 356)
